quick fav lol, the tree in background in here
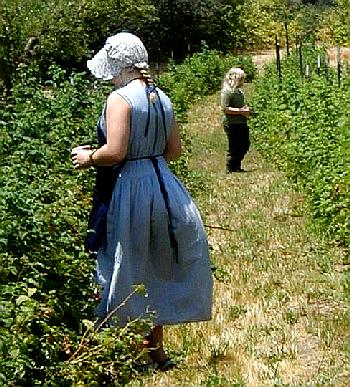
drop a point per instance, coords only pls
(336, 25)
(183, 26)
(65, 33)
(261, 22)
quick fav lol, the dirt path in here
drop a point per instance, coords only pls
(278, 313)
(263, 57)
(288, 321)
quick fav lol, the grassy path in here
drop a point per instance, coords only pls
(279, 318)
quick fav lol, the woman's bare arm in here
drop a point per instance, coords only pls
(233, 111)
(173, 149)
(118, 131)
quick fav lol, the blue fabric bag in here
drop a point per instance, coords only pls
(97, 227)
(106, 178)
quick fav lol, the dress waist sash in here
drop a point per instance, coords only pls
(155, 162)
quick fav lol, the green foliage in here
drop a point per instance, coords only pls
(107, 356)
(71, 40)
(195, 21)
(46, 290)
(60, 32)
(43, 274)
(336, 25)
(302, 125)
(262, 21)
(67, 33)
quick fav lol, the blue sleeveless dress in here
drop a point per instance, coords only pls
(149, 208)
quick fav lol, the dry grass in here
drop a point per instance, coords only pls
(279, 318)
(344, 55)
(261, 58)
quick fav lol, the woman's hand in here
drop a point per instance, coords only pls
(81, 156)
(246, 111)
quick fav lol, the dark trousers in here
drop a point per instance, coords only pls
(238, 145)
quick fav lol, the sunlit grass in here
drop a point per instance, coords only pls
(279, 317)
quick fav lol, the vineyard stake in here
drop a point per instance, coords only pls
(278, 60)
(338, 65)
(301, 59)
(287, 38)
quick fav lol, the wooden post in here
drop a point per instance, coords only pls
(278, 60)
(287, 37)
(338, 65)
(301, 59)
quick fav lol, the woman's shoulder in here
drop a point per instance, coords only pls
(117, 100)
(165, 99)
(115, 95)
(131, 93)
(162, 93)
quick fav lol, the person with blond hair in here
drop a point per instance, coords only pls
(145, 227)
(236, 114)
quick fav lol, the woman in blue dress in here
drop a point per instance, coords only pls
(153, 231)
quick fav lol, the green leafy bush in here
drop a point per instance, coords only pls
(303, 126)
(336, 24)
(46, 289)
(47, 296)
(60, 32)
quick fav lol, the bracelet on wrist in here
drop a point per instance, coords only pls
(91, 156)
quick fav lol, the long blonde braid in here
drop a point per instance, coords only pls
(150, 84)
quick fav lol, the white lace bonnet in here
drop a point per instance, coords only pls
(123, 50)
